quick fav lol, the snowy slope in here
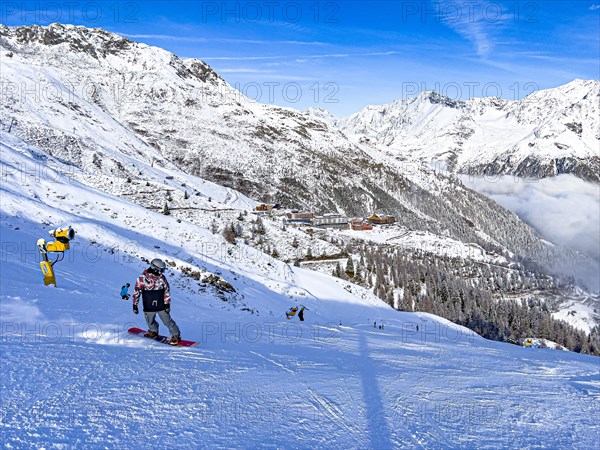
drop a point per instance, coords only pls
(549, 132)
(71, 376)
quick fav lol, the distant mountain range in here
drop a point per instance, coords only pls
(549, 132)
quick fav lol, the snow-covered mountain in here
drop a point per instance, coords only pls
(143, 96)
(97, 100)
(547, 133)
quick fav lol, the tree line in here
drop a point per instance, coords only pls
(467, 294)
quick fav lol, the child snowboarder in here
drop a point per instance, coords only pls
(154, 289)
(125, 292)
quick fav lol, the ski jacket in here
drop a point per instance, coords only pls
(154, 290)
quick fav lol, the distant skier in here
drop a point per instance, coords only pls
(125, 292)
(291, 312)
(154, 289)
(301, 313)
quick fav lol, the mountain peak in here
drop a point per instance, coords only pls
(572, 91)
(99, 45)
(549, 132)
(94, 41)
(435, 98)
(322, 114)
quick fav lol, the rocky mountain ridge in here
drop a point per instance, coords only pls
(547, 133)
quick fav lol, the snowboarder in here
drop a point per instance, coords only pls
(154, 289)
(291, 312)
(125, 292)
(301, 313)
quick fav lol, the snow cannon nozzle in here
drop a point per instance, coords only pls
(63, 235)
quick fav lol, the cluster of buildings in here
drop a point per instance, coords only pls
(266, 207)
(310, 219)
(307, 218)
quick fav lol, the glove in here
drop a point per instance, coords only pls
(135, 309)
(168, 308)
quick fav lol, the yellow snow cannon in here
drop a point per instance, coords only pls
(63, 236)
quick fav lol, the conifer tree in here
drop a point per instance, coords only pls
(349, 268)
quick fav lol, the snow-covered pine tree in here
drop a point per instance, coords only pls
(349, 268)
(229, 233)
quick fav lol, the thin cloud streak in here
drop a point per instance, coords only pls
(245, 70)
(478, 29)
(167, 37)
(300, 57)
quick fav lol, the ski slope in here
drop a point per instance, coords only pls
(70, 375)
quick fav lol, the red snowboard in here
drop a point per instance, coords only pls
(163, 339)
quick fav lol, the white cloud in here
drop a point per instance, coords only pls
(479, 26)
(594, 7)
(244, 70)
(316, 56)
(176, 38)
(165, 37)
(564, 209)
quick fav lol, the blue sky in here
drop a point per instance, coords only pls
(343, 55)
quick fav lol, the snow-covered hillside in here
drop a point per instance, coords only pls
(72, 376)
(547, 133)
(138, 122)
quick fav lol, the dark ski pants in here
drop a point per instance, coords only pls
(165, 317)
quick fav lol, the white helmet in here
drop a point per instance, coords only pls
(158, 264)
